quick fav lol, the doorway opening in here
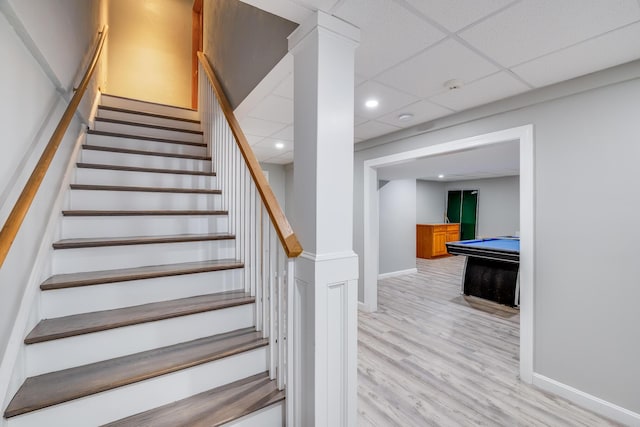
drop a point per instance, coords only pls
(523, 135)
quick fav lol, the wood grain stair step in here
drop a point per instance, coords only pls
(86, 323)
(144, 213)
(212, 408)
(126, 98)
(145, 138)
(143, 152)
(147, 125)
(95, 187)
(89, 242)
(72, 280)
(62, 386)
(141, 169)
(144, 113)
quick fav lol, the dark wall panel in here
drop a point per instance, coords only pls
(243, 43)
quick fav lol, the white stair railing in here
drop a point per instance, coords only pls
(265, 242)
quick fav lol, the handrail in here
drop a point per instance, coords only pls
(288, 238)
(20, 209)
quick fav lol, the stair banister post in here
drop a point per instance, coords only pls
(324, 359)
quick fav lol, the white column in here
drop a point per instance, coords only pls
(324, 392)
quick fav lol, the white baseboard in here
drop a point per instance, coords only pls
(364, 307)
(397, 273)
(587, 401)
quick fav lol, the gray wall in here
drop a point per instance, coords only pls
(243, 44)
(37, 69)
(277, 181)
(430, 202)
(586, 273)
(397, 247)
(498, 204)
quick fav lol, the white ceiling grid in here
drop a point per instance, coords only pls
(410, 48)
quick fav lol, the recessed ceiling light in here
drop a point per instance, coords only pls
(405, 116)
(279, 145)
(371, 103)
(440, 176)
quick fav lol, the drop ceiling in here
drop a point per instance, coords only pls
(410, 48)
(492, 161)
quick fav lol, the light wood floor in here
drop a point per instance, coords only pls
(431, 357)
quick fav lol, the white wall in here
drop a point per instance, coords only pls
(150, 50)
(397, 249)
(498, 204)
(43, 53)
(430, 202)
(586, 273)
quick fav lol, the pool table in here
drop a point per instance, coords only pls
(491, 268)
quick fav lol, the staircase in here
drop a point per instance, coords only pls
(148, 319)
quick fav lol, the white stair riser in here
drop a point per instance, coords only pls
(141, 118)
(84, 299)
(124, 401)
(135, 200)
(143, 144)
(148, 107)
(123, 226)
(147, 131)
(115, 257)
(145, 161)
(81, 350)
(272, 416)
(144, 179)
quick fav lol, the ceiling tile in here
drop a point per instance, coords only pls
(285, 89)
(533, 28)
(285, 134)
(270, 144)
(389, 33)
(274, 108)
(456, 14)
(497, 86)
(422, 111)
(389, 99)
(264, 153)
(357, 120)
(281, 159)
(359, 80)
(324, 5)
(252, 138)
(257, 127)
(372, 129)
(613, 48)
(425, 74)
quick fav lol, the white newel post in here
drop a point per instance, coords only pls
(325, 291)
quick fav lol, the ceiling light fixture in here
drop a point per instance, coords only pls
(453, 84)
(440, 176)
(371, 103)
(405, 116)
(279, 145)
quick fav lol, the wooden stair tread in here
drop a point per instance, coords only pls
(72, 280)
(145, 113)
(148, 102)
(90, 242)
(85, 323)
(211, 408)
(145, 138)
(62, 386)
(143, 152)
(147, 125)
(142, 213)
(141, 169)
(143, 189)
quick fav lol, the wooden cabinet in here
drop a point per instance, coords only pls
(431, 239)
